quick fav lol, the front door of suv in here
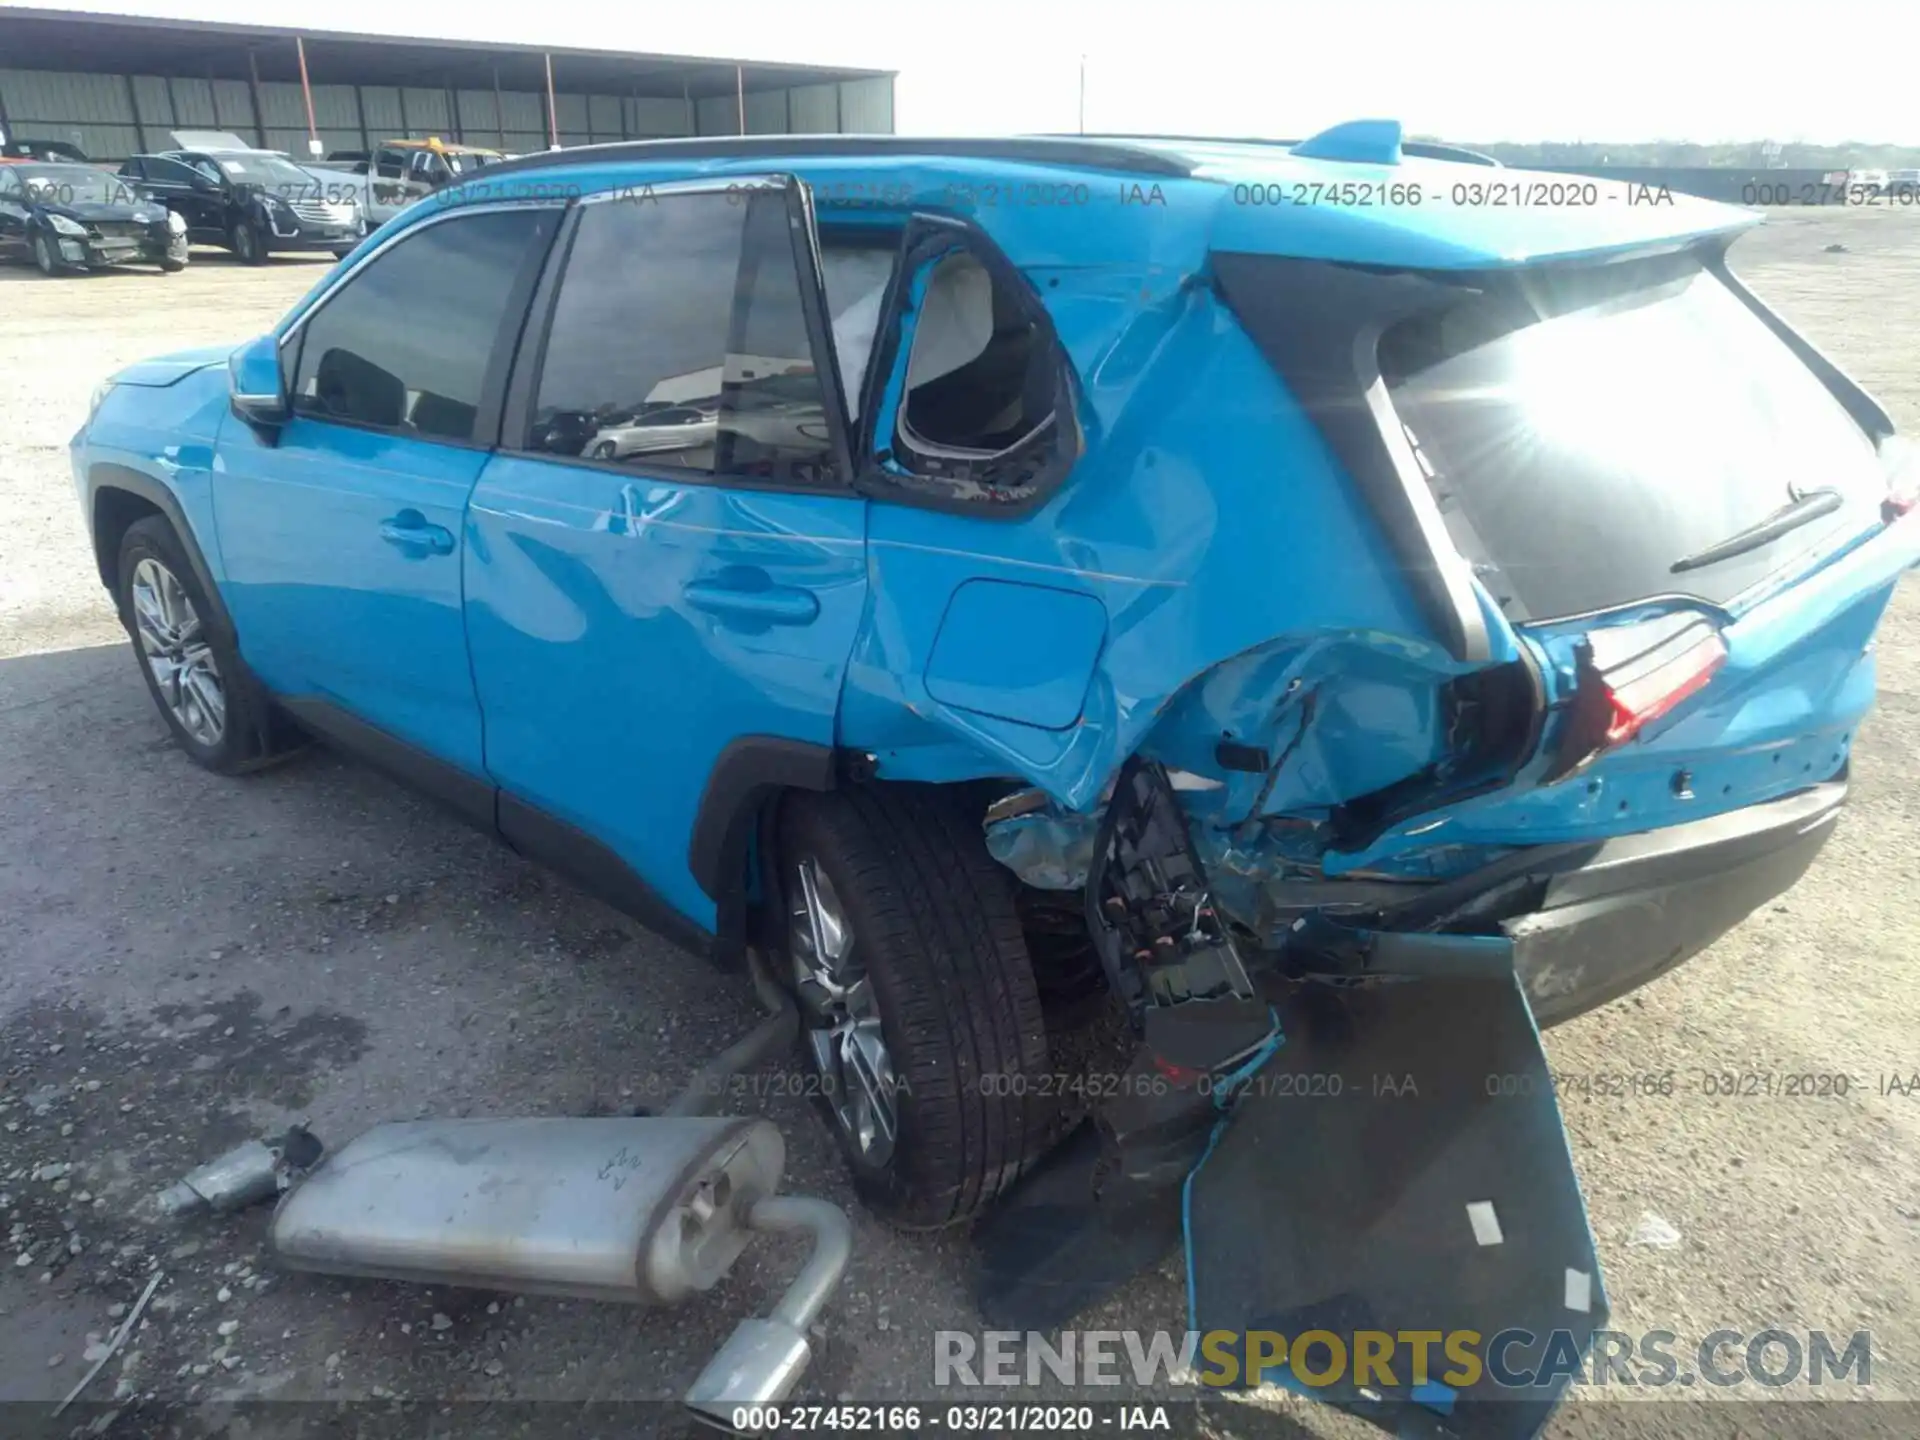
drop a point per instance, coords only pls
(632, 610)
(342, 532)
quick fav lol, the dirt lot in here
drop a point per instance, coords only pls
(187, 961)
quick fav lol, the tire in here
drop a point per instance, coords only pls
(936, 935)
(173, 267)
(604, 450)
(43, 255)
(246, 243)
(249, 733)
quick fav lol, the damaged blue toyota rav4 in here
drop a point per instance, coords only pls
(1348, 622)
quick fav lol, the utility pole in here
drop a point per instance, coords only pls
(1083, 94)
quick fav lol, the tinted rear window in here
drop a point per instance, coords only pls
(1583, 435)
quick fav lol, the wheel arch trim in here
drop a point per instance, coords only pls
(108, 476)
(749, 771)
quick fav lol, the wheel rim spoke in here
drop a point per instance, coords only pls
(844, 1033)
(172, 640)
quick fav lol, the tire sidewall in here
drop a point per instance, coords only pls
(912, 1188)
(886, 1188)
(246, 243)
(144, 541)
(43, 255)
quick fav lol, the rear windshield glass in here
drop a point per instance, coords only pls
(1582, 435)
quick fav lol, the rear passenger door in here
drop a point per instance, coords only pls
(633, 612)
(342, 532)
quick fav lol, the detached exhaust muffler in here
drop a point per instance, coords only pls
(646, 1210)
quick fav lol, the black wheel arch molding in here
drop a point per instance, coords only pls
(107, 478)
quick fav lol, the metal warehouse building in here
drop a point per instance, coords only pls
(116, 85)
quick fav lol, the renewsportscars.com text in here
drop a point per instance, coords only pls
(1520, 1359)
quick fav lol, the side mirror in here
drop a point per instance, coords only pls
(257, 389)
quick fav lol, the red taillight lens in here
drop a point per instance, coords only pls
(1894, 506)
(1645, 698)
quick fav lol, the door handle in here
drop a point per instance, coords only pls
(770, 604)
(409, 531)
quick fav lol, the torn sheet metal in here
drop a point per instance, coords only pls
(1399, 1165)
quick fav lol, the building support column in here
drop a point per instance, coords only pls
(553, 113)
(133, 109)
(253, 95)
(740, 95)
(499, 110)
(306, 90)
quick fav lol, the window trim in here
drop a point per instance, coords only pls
(486, 420)
(516, 416)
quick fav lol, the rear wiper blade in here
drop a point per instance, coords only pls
(1804, 508)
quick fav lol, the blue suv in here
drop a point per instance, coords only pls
(974, 576)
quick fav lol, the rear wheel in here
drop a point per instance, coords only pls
(247, 243)
(921, 1019)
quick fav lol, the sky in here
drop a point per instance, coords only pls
(1485, 70)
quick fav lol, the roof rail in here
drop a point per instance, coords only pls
(1084, 151)
(1420, 149)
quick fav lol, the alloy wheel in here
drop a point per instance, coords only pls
(841, 1016)
(173, 642)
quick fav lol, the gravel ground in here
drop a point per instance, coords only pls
(189, 961)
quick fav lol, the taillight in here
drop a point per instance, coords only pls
(1646, 697)
(1903, 485)
(1627, 677)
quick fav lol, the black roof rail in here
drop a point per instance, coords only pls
(1087, 152)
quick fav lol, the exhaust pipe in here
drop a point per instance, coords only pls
(708, 1085)
(763, 1359)
(645, 1210)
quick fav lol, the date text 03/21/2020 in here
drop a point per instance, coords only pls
(959, 1419)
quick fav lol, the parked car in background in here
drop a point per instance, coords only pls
(66, 217)
(255, 203)
(58, 151)
(396, 173)
(656, 432)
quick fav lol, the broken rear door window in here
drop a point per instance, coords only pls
(980, 405)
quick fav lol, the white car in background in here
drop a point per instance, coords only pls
(676, 427)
